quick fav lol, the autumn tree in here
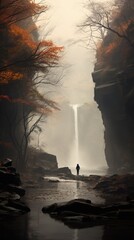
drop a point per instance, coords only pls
(110, 28)
(25, 63)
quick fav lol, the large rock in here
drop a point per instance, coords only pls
(39, 158)
(116, 187)
(81, 213)
(11, 191)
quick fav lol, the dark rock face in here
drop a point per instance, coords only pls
(114, 90)
(118, 125)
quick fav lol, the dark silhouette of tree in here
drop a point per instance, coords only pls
(114, 18)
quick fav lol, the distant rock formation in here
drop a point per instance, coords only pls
(40, 161)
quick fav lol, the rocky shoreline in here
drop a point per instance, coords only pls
(116, 189)
(11, 191)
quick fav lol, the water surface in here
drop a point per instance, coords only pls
(38, 226)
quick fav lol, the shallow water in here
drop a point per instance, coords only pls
(38, 226)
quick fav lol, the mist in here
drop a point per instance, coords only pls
(75, 87)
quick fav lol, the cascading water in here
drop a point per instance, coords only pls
(76, 143)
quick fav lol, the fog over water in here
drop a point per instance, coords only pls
(75, 87)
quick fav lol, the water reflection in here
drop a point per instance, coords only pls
(14, 228)
(47, 228)
(78, 185)
(77, 189)
(119, 230)
(37, 226)
(75, 234)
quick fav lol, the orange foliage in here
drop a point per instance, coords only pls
(23, 47)
(15, 100)
(23, 36)
(48, 52)
(24, 52)
(25, 55)
(8, 75)
(124, 26)
(21, 57)
(12, 11)
(106, 53)
(40, 108)
(111, 47)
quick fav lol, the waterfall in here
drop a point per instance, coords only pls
(75, 109)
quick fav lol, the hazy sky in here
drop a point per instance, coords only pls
(64, 16)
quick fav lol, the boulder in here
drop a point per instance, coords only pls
(116, 187)
(7, 162)
(9, 178)
(18, 205)
(39, 159)
(10, 191)
(81, 206)
(81, 213)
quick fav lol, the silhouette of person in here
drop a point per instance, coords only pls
(77, 168)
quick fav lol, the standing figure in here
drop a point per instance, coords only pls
(77, 169)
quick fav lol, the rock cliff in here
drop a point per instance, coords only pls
(114, 90)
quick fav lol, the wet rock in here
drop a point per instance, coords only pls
(18, 205)
(11, 191)
(116, 187)
(9, 178)
(5, 196)
(126, 214)
(79, 213)
(78, 206)
(7, 162)
(15, 189)
(50, 209)
(52, 179)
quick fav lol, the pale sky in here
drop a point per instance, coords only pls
(64, 16)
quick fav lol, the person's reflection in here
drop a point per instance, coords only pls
(75, 234)
(77, 189)
(78, 185)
